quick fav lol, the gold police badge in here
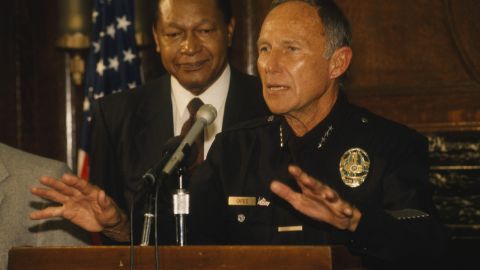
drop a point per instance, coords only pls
(354, 165)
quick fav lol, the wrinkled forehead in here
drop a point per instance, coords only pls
(178, 10)
(292, 21)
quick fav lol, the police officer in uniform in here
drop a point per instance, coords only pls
(321, 170)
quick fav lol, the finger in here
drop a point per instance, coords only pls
(319, 192)
(49, 194)
(340, 208)
(313, 208)
(103, 200)
(304, 179)
(348, 211)
(78, 183)
(49, 212)
(57, 185)
(312, 187)
(330, 195)
(316, 190)
(284, 192)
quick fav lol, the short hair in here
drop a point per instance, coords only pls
(224, 7)
(336, 24)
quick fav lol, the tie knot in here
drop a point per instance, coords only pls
(193, 106)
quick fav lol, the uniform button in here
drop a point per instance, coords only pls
(364, 120)
(270, 118)
(241, 218)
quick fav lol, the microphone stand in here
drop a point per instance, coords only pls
(181, 208)
(149, 215)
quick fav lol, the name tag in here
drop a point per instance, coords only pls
(242, 201)
(298, 228)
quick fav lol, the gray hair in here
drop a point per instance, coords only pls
(337, 27)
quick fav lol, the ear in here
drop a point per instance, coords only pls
(340, 61)
(156, 38)
(230, 31)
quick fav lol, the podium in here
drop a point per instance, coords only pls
(187, 257)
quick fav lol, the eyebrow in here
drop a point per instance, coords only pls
(174, 24)
(283, 42)
(290, 42)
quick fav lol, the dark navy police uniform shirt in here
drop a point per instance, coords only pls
(377, 165)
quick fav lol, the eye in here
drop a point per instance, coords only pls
(263, 49)
(293, 48)
(173, 34)
(205, 31)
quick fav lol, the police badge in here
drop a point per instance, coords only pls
(354, 165)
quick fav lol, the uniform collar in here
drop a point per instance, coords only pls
(321, 133)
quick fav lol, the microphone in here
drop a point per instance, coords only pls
(205, 116)
(155, 176)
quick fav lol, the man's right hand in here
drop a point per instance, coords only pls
(83, 204)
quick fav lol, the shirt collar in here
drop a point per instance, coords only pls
(324, 129)
(215, 95)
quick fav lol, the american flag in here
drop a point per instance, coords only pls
(113, 64)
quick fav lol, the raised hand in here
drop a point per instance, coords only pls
(318, 201)
(80, 202)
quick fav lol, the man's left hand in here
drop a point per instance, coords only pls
(318, 201)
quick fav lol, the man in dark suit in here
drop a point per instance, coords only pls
(130, 128)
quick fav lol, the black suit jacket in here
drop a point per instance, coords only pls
(130, 128)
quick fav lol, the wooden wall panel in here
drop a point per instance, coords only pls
(417, 62)
(249, 15)
(33, 88)
(8, 127)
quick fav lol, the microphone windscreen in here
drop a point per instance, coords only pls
(208, 113)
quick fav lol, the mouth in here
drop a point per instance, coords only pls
(192, 66)
(276, 87)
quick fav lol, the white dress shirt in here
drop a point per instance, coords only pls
(216, 95)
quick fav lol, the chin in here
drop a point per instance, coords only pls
(276, 109)
(195, 87)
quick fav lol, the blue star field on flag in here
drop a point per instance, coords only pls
(113, 64)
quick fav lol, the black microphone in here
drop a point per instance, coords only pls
(155, 174)
(205, 116)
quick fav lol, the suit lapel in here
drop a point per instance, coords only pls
(244, 100)
(154, 121)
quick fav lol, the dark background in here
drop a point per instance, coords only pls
(415, 61)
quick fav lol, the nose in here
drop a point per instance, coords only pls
(190, 45)
(271, 62)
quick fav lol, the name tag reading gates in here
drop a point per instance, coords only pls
(242, 201)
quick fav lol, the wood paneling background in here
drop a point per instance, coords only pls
(32, 78)
(417, 62)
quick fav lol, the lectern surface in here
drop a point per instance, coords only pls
(181, 258)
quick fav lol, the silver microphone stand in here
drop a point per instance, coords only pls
(181, 209)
